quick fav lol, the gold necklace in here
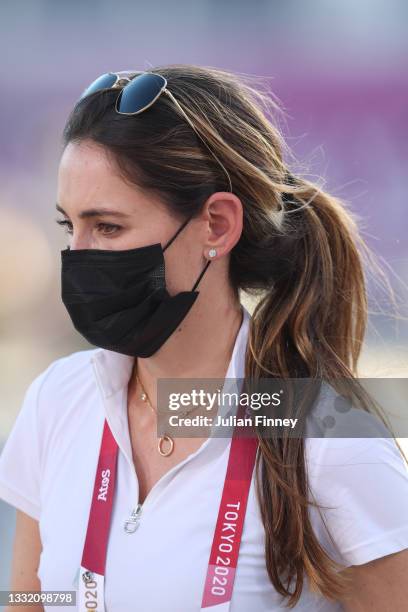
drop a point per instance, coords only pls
(166, 438)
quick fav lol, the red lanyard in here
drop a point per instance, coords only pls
(227, 535)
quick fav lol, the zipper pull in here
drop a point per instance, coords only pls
(132, 523)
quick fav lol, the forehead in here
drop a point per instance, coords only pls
(84, 163)
(87, 176)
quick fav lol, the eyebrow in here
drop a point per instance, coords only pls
(94, 212)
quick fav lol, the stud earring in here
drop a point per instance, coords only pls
(212, 252)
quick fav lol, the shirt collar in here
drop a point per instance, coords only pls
(114, 369)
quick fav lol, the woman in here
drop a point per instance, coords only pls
(184, 168)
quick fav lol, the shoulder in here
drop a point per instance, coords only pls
(45, 426)
(355, 446)
(346, 460)
(362, 485)
(52, 395)
(334, 416)
(63, 375)
(67, 366)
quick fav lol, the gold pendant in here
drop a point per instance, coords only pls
(159, 446)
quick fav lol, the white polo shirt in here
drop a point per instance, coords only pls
(47, 469)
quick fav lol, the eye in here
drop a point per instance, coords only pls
(111, 228)
(65, 223)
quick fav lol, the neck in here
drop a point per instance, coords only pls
(201, 347)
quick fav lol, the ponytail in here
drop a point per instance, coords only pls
(310, 323)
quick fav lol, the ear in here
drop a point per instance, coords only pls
(223, 214)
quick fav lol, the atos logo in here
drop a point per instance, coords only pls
(103, 490)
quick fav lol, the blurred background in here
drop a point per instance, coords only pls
(339, 71)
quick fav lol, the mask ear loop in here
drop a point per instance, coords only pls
(201, 275)
(174, 237)
(177, 233)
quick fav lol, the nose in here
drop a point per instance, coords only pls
(76, 244)
(80, 240)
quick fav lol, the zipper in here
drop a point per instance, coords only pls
(132, 523)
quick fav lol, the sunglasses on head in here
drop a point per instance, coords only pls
(138, 91)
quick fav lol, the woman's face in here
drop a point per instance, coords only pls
(101, 211)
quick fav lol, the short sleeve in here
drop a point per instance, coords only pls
(365, 484)
(20, 472)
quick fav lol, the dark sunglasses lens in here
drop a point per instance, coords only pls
(140, 92)
(103, 82)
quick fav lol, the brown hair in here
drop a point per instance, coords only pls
(300, 253)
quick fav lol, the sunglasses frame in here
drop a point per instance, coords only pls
(118, 84)
(130, 81)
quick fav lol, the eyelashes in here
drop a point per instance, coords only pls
(113, 229)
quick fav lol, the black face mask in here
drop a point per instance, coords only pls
(118, 299)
